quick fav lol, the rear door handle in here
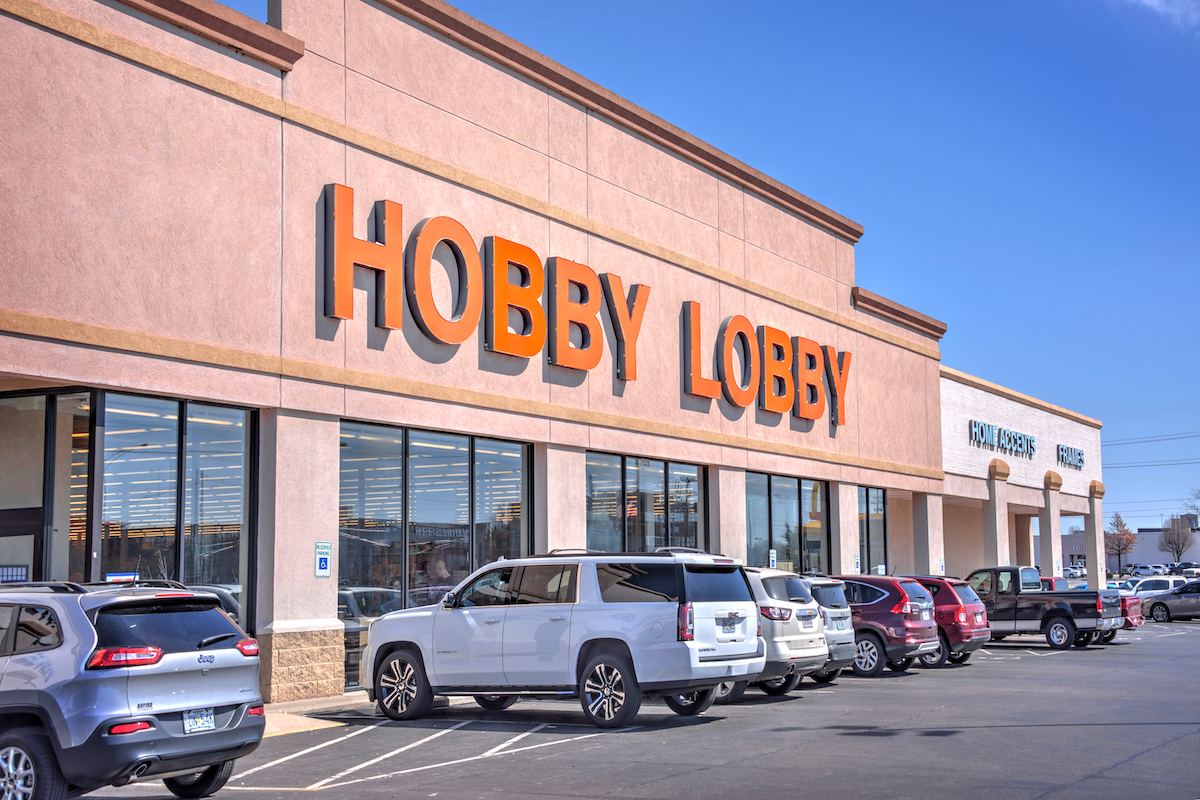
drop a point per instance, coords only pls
(557, 619)
(491, 621)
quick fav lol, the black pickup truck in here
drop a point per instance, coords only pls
(1017, 603)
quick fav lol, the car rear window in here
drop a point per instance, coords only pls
(638, 583)
(830, 596)
(787, 589)
(916, 592)
(173, 628)
(966, 594)
(714, 584)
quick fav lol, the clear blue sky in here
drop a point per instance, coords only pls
(1027, 172)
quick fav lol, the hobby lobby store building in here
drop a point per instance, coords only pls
(324, 314)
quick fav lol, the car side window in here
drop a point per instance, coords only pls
(547, 583)
(1004, 583)
(851, 592)
(6, 615)
(37, 629)
(1191, 588)
(981, 582)
(492, 588)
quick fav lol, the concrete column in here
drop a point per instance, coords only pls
(1093, 535)
(301, 647)
(995, 517)
(1023, 549)
(929, 544)
(559, 498)
(727, 511)
(1050, 527)
(843, 529)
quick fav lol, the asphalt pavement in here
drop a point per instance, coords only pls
(1019, 720)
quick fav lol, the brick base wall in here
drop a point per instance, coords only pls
(301, 665)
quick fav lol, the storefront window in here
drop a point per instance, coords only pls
(788, 516)
(638, 504)
(872, 530)
(418, 511)
(72, 449)
(22, 454)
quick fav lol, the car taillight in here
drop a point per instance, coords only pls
(111, 657)
(129, 727)
(777, 614)
(257, 711)
(903, 606)
(687, 622)
(249, 647)
(962, 614)
(1100, 604)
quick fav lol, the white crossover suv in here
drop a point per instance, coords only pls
(607, 629)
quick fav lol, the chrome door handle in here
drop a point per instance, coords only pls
(491, 621)
(557, 619)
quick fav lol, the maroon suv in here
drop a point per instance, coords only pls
(961, 619)
(893, 622)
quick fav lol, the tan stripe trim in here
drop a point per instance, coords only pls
(173, 67)
(996, 389)
(21, 324)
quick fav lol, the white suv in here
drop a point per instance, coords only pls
(604, 628)
(793, 633)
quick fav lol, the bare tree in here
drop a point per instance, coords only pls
(1119, 540)
(1192, 503)
(1177, 537)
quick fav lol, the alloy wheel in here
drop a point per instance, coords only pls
(16, 774)
(1058, 633)
(399, 684)
(605, 691)
(868, 655)
(1160, 614)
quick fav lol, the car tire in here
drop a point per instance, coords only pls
(1060, 633)
(959, 658)
(202, 784)
(609, 691)
(777, 687)
(1082, 638)
(998, 638)
(1108, 636)
(938, 657)
(27, 759)
(826, 677)
(1160, 613)
(730, 692)
(495, 702)
(902, 665)
(870, 658)
(691, 704)
(402, 688)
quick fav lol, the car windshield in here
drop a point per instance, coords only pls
(173, 628)
(916, 592)
(714, 584)
(966, 594)
(830, 596)
(788, 588)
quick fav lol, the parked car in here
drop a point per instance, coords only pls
(792, 630)
(113, 684)
(839, 626)
(1055, 584)
(1017, 603)
(1143, 570)
(1182, 567)
(961, 620)
(1144, 587)
(1072, 572)
(1191, 572)
(608, 629)
(1131, 612)
(1182, 602)
(893, 622)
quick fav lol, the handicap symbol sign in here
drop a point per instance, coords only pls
(324, 556)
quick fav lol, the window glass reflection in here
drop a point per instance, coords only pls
(501, 521)
(22, 450)
(68, 543)
(439, 514)
(638, 504)
(141, 455)
(605, 509)
(686, 496)
(813, 523)
(646, 505)
(785, 520)
(757, 520)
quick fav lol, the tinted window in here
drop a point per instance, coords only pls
(830, 596)
(638, 583)
(547, 583)
(967, 594)
(493, 588)
(933, 588)
(981, 582)
(916, 592)
(174, 628)
(6, 613)
(1004, 583)
(707, 584)
(787, 589)
(863, 594)
(37, 629)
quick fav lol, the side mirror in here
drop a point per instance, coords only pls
(448, 600)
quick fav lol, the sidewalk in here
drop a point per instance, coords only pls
(293, 716)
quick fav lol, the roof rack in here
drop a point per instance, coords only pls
(692, 550)
(155, 583)
(55, 587)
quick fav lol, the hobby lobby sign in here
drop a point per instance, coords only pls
(782, 373)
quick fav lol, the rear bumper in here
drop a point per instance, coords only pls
(1099, 624)
(105, 759)
(1133, 622)
(840, 655)
(965, 639)
(801, 666)
(911, 649)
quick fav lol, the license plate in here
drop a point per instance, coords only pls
(841, 624)
(924, 615)
(808, 623)
(729, 625)
(979, 617)
(199, 720)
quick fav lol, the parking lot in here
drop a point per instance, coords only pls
(1019, 720)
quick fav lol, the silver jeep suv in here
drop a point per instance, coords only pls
(122, 683)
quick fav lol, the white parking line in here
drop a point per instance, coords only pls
(1160, 636)
(515, 739)
(397, 751)
(309, 750)
(476, 758)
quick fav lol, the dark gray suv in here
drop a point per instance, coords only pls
(120, 683)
